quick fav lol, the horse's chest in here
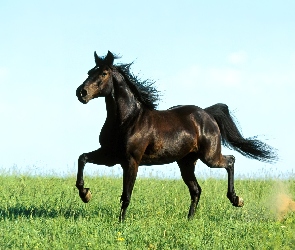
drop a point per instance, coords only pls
(110, 136)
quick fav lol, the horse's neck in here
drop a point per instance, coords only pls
(121, 104)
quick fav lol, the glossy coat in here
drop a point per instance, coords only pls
(135, 133)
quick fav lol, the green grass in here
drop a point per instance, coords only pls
(47, 213)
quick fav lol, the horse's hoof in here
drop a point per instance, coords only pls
(240, 202)
(85, 195)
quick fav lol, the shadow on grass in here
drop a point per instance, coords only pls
(21, 211)
(30, 212)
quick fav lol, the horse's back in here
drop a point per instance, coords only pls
(195, 113)
(175, 132)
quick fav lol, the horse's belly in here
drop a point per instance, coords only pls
(148, 160)
(167, 152)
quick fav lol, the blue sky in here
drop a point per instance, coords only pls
(199, 52)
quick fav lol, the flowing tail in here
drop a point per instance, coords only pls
(232, 138)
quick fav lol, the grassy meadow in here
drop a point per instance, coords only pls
(47, 213)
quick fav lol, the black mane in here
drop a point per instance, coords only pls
(144, 90)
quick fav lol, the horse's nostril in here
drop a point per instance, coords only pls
(83, 93)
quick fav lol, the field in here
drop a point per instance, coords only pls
(46, 213)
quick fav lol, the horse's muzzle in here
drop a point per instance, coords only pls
(81, 93)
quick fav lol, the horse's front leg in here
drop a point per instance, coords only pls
(129, 177)
(97, 157)
(84, 193)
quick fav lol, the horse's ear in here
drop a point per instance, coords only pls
(109, 59)
(98, 60)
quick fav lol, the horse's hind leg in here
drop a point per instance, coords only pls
(231, 194)
(226, 162)
(187, 168)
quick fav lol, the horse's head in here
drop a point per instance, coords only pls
(99, 82)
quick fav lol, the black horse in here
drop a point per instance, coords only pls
(135, 133)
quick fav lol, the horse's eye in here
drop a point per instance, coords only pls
(104, 74)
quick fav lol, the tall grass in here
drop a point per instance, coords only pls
(47, 213)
